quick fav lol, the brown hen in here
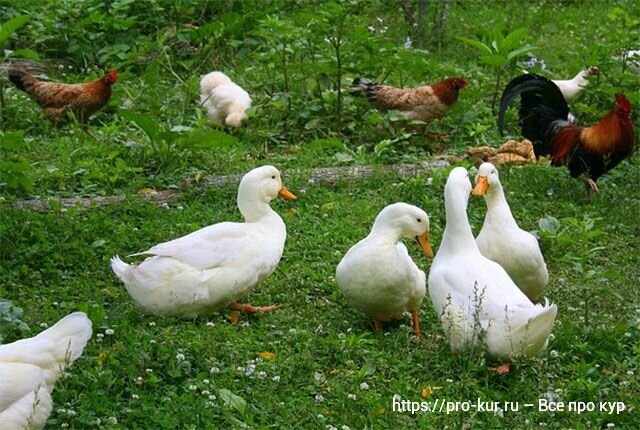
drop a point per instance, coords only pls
(57, 99)
(425, 103)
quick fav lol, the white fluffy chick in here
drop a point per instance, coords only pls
(225, 101)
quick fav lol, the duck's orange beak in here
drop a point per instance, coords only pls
(424, 243)
(481, 186)
(286, 194)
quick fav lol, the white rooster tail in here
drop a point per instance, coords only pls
(121, 269)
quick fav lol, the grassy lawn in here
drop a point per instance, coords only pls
(315, 363)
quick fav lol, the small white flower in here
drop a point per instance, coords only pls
(262, 375)
(43, 325)
(55, 303)
(551, 337)
(180, 357)
(214, 370)
(371, 28)
(351, 396)
(364, 386)
(205, 381)
(152, 324)
(292, 331)
(71, 413)
(112, 421)
(408, 43)
(99, 335)
(193, 387)
(630, 372)
(554, 353)
(135, 396)
(319, 398)
(148, 370)
(109, 332)
(152, 342)
(64, 425)
(330, 427)
(429, 181)
(210, 324)
(206, 392)
(61, 411)
(276, 378)
(212, 397)
(379, 19)
(610, 425)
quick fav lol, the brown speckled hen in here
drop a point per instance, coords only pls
(425, 103)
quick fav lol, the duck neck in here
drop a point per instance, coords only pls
(498, 211)
(254, 208)
(385, 233)
(457, 237)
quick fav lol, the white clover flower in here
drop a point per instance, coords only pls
(152, 324)
(109, 332)
(152, 342)
(71, 413)
(193, 387)
(135, 396)
(351, 396)
(64, 425)
(180, 357)
(554, 353)
(262, 375)
(364, 386)
(276, 378)
(210, 324)
(371, 28)
(148, 370)
(205, 381)
(43, 325)
(212, 397)
(112, 421)
(205, 392)
(214, 370)
(293, 331)
(319, 398)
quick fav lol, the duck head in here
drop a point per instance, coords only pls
(486, 178)
(257, 188)
(405, 220)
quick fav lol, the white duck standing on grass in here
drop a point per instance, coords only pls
(214, 267)
(30, 367)
(476, 299)
(502, 241)
(225, 101)
(377, 275)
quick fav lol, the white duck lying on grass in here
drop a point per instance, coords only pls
(214, 267)
(476, 299)
(502, 241)
(377, 275)
(30, 367)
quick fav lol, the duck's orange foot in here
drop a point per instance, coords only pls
(416, 324)
(234, 317)
(250, 309)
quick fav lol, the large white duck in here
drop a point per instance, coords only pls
(30, 367)
(571, 88)
(474, 296)
(213, 267)
(377, 275)
(502, 241)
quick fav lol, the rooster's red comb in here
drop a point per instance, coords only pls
(113, 74)
(623, 102)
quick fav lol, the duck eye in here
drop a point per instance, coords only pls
(273, 177)
(419, 220)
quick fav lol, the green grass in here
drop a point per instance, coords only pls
(55, 262)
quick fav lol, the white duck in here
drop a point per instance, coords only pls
(226, 102)
(475, 298)
(377, 275)
(502, 241)
(571, 88)
(30, 367)
(213, 267)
